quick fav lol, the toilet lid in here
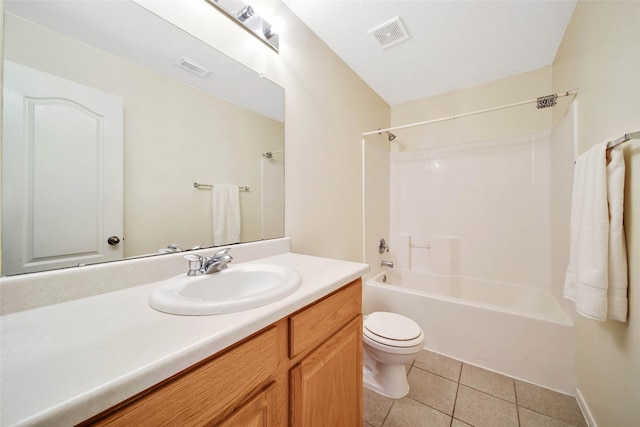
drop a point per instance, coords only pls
(391, 326)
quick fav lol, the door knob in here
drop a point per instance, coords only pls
(113, 240)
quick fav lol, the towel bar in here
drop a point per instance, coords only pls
(210, 186)
(623, 139)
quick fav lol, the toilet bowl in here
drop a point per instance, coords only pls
(391, 341)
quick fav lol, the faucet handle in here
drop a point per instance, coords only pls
(221, 252)
(195, 264)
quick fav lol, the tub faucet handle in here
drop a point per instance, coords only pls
(386, 264)
(382, 246)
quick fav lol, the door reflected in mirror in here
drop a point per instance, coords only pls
(177, 127)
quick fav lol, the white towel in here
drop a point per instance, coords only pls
(618, 280)
(596, 278)
(225, 213)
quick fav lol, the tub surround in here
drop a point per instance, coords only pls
(64, 363)
(463, 203)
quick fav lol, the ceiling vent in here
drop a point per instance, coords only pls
(390, 33)
(192, 66)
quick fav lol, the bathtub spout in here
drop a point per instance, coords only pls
(386, 264)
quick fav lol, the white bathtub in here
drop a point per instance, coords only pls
(515, 330)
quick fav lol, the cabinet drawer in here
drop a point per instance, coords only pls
(314, 324)
(207, 392)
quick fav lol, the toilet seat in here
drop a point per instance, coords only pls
(393, 330)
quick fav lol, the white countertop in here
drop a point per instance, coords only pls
(62, 364)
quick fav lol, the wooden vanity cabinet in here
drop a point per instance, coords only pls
(326, 386)
(304, 370)
(206, 393)
(259, 411)
(326, 348)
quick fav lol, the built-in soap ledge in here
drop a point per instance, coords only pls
(28, 291)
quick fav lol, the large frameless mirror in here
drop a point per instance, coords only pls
(125, 136)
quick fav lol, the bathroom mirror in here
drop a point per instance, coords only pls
(185, 113)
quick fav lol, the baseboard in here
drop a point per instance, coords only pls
(588, 417)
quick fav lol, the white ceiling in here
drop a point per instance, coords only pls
(452, 44)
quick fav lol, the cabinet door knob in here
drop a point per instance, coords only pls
(113, 240)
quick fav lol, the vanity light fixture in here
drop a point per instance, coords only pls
(246, 13)
(268, 33)
(247, 18)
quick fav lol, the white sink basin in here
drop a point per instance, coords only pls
(237, 288)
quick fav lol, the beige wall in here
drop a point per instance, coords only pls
(376, 201)
(327, 107)
(600, 55)
(522, 120)
(170, 141)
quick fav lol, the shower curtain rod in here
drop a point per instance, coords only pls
(543, 102)
(269, 154)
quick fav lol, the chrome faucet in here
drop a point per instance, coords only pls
(206, 265)
(386, 264)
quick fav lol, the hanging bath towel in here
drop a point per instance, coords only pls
(225, 213)
(596, 278)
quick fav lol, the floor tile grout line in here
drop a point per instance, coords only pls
(448, 379)
(429, 406)
(388, 412)
(468, 386)
(488, 394)
(515, 396)
(455, 400)
(458, 384)
(546, 415)
(438, 375)
(452, 415)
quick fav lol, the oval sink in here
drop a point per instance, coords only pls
(237, 288)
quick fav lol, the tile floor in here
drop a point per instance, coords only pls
(447, 392)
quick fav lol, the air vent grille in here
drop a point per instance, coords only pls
(390, 33)
(192, 66)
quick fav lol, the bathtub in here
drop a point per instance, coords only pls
(519, 331)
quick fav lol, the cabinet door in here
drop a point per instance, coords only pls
(326, 386)
(258, 412)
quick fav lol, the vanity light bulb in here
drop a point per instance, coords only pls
(277, 24)
(246, 13)
(268, 33)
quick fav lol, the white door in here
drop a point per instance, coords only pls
(61, 172)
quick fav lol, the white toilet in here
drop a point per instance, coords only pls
(391, 341)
